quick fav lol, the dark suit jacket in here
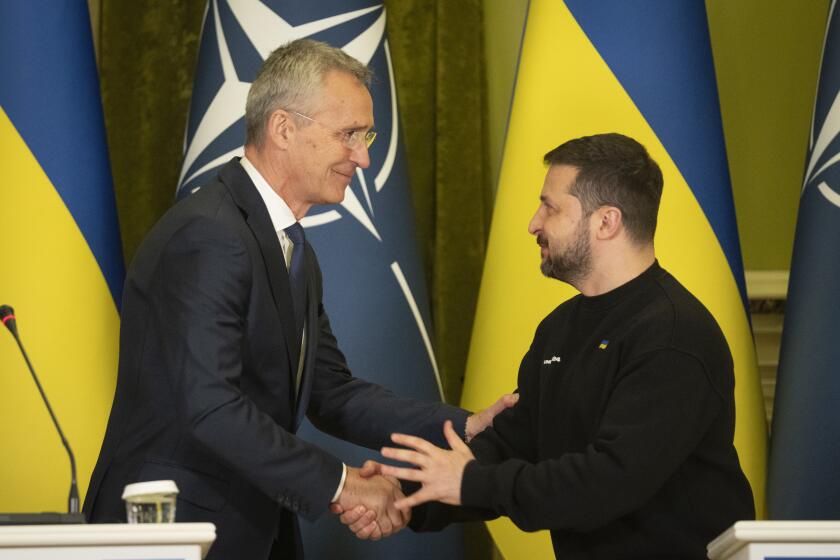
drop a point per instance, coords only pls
(206, 387)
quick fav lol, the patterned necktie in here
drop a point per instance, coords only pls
(297, 273)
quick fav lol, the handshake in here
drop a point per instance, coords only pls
(372, 503)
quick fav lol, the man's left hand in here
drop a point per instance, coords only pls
(478, 422)
(439, 470)
(361, 521)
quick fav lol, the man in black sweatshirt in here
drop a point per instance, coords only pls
(621, 444)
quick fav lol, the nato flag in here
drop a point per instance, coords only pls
(805, 445)
(373, 279)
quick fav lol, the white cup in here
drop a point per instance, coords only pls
(150, 502)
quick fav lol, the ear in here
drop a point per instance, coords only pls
(609, 222)
(280, 129)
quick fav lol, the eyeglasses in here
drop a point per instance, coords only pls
(350, 139)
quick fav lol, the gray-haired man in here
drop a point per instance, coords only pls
(225, 342)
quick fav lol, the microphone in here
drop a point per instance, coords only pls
(7, 315)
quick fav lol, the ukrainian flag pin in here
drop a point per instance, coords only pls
(604, 344)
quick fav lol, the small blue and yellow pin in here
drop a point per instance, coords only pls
(604, 344)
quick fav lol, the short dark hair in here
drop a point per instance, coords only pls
(614, 170)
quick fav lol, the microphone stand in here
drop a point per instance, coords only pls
(74, 514)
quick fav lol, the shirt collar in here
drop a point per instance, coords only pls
(279, 212)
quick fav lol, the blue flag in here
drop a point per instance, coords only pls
(374, 289)
(61, 249)
(804, 477)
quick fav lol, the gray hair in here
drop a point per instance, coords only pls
(290, 76)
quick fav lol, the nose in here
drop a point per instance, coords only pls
(360, 156)
(535, 225)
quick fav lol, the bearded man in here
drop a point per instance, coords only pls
(622, 442)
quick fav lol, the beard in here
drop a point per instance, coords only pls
(572, 263)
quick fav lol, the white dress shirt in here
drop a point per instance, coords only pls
(281, 218)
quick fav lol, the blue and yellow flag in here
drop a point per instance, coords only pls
(643, 69)
(62, 259)
(804, 477)
(374, 288)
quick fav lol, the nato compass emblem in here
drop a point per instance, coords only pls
(824, 141)
(237, 36)
(826, 151)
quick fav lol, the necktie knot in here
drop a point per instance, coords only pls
(295, 233)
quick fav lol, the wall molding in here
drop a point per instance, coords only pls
(767, 284)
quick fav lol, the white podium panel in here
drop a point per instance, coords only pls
(151, 541)
(778, 540)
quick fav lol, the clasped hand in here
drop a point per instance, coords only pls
(381, 509)
(439, 472)
(369, 501)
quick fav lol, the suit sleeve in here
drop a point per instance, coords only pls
(204, 286)
(365, 413)
(656, 415)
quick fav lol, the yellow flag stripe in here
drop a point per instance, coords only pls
(69, 324)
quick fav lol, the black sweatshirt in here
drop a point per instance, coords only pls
(621, 443)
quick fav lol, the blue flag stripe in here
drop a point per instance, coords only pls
(33, 92)
(682, 109)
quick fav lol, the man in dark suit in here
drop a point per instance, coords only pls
(225, 343)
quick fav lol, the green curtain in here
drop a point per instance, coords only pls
(147, 56)
(437, 48)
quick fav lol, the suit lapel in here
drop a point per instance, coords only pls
(245, 195)
(311, 338)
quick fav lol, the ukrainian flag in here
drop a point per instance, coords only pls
(62, 261)
(643, 69)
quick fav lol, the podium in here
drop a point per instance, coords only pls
(150, 541)
(781, 540)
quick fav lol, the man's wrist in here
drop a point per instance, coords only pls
(341, 482)
(477, 484)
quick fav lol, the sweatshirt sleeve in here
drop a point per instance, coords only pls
(511, 437)
(659, 410)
